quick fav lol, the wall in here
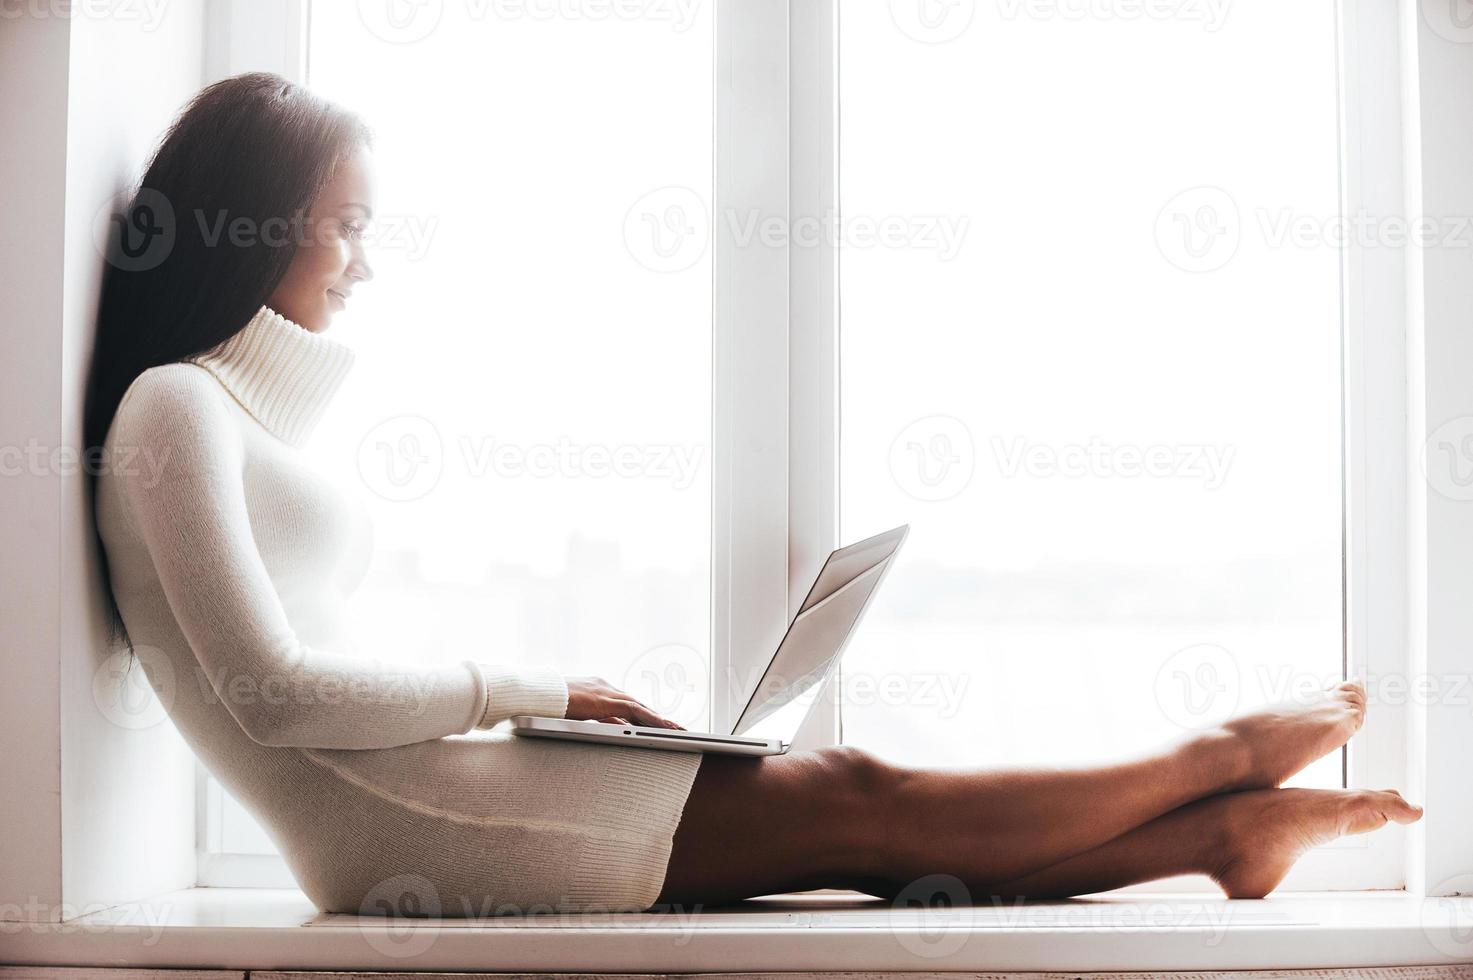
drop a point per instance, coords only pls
(127, 791)
(34, 59)
(101, 781)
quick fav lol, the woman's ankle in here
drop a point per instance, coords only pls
(1221, 760)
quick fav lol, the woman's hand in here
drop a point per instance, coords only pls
(594, 699)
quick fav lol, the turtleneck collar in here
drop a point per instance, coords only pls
(282, 373)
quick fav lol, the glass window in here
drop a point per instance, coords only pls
(1091, 349)
(528, 419)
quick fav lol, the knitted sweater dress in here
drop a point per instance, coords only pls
(378, 778)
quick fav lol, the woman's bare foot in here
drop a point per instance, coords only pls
(1263, 832)
(1273, 743)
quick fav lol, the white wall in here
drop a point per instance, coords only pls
(34, 60)
(82, 104)
(127, 793)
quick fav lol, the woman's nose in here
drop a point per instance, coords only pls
(359, 268)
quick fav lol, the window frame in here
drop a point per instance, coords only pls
(245, 35)
(749, 329)
(775, 372)
(217, 867)
(1376, 545)
(264, 35)
(775, 354)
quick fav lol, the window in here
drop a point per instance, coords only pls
(1097, 367)
(1103, 345)
(528, 418)
(530, 414)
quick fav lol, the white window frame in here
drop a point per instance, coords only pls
(245, 35)
(775, 405)
(775, 357)
(1375, 550)
(257, 35)
(777, 344)
(217, 867)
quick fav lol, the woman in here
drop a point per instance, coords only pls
(229, 564)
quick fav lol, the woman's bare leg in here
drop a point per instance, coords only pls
(842, 818)
(1246, 842)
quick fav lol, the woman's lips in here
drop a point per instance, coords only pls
(343, 300)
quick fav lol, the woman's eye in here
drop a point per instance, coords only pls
(354, 230)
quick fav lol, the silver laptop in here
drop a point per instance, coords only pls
(796, 675)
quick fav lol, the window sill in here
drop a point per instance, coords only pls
(246, 928)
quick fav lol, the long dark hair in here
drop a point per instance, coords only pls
(207, 235)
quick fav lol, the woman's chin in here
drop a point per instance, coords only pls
(320, 321)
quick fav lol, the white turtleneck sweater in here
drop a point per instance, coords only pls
(378, 778)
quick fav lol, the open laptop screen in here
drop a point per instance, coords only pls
(816, 638)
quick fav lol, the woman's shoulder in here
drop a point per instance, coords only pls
(172, 400)
(173, 384)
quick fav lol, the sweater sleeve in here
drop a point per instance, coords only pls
(191, 514)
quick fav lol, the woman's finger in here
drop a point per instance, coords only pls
(619, 697)
(658, 722)
(645, 716)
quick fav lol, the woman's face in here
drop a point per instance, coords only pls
(330, 260)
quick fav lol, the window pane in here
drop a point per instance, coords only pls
(549, 323)
(528, 417)
(1094, 359)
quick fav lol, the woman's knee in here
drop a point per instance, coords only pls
(857, 771)
(863, 789)
(827, 808)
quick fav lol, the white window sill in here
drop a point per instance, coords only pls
(245, 928)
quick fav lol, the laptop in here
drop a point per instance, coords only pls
(796, 674)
